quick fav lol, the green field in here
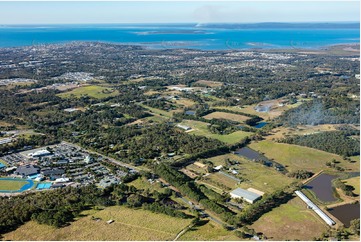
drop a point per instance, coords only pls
(129, 224)
(355, 183)
(91, 91)
(200, 128)
(157, 111)
(229, 116)
(296, 157)
(257, 176)
(15, 185)
(208, 232)
(290, 221)
(142, 184)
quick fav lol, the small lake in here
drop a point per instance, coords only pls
(250, 154)
(321, 186)
(260, 125)
(346, 213)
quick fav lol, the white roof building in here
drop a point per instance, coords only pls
(248, 196)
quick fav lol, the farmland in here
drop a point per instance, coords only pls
(92, 91)
(129, 224)
(290, 221)
(229, 116)
(296, 157)
(208, 231)
(200, 128)
(263, 178)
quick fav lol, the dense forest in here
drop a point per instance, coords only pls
(337, 142)
(327, 110)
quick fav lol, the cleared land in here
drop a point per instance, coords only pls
(92, 91)
(280, 132)
(206, 83)
(15, 185)
(258, 176)
(290, 221)
(296, 157)
(142, 183)
(229, 116)
(129, 224)
(355, 183)
(200, 128)
(209, 231)
(157, 111)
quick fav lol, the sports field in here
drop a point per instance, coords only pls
(296, 157)
(129, 224)
(200, 128)
(91, 91)
(290, 221)
(229, 116)
(7, 185)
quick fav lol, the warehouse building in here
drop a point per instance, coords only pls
(248, 196)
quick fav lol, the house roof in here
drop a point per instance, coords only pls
(245, 194)
(53, 172)
(27, 170)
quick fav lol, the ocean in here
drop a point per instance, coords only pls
(194, 36)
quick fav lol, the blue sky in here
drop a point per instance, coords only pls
(177, 12)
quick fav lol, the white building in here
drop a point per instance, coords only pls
(248, 196)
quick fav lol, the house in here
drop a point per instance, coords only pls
(108, 181)
(53, 172)
(183, 127)
(248, 196)
(27, 170)
(40, 153)
(218, 168)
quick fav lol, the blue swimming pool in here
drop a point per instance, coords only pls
(42, 186)
(27, 186)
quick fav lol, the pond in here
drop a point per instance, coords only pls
(250, 154)
(260, 125)
(321, 186)
(346, 213)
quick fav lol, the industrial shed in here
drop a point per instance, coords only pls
(248, 196)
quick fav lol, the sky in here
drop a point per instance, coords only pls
(71, 12)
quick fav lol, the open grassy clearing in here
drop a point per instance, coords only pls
(142, 183)
(92, 91)
(296, 157)
(129, 224)
(290, 221)
(185, 102)
(15, 185)
(200, 128)
(5, 124)
(206, 83)
(257, 176)
(355, 183)
(220, 178)
(209, 231)
(157, 111)
(229, 116)
(280, 132)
